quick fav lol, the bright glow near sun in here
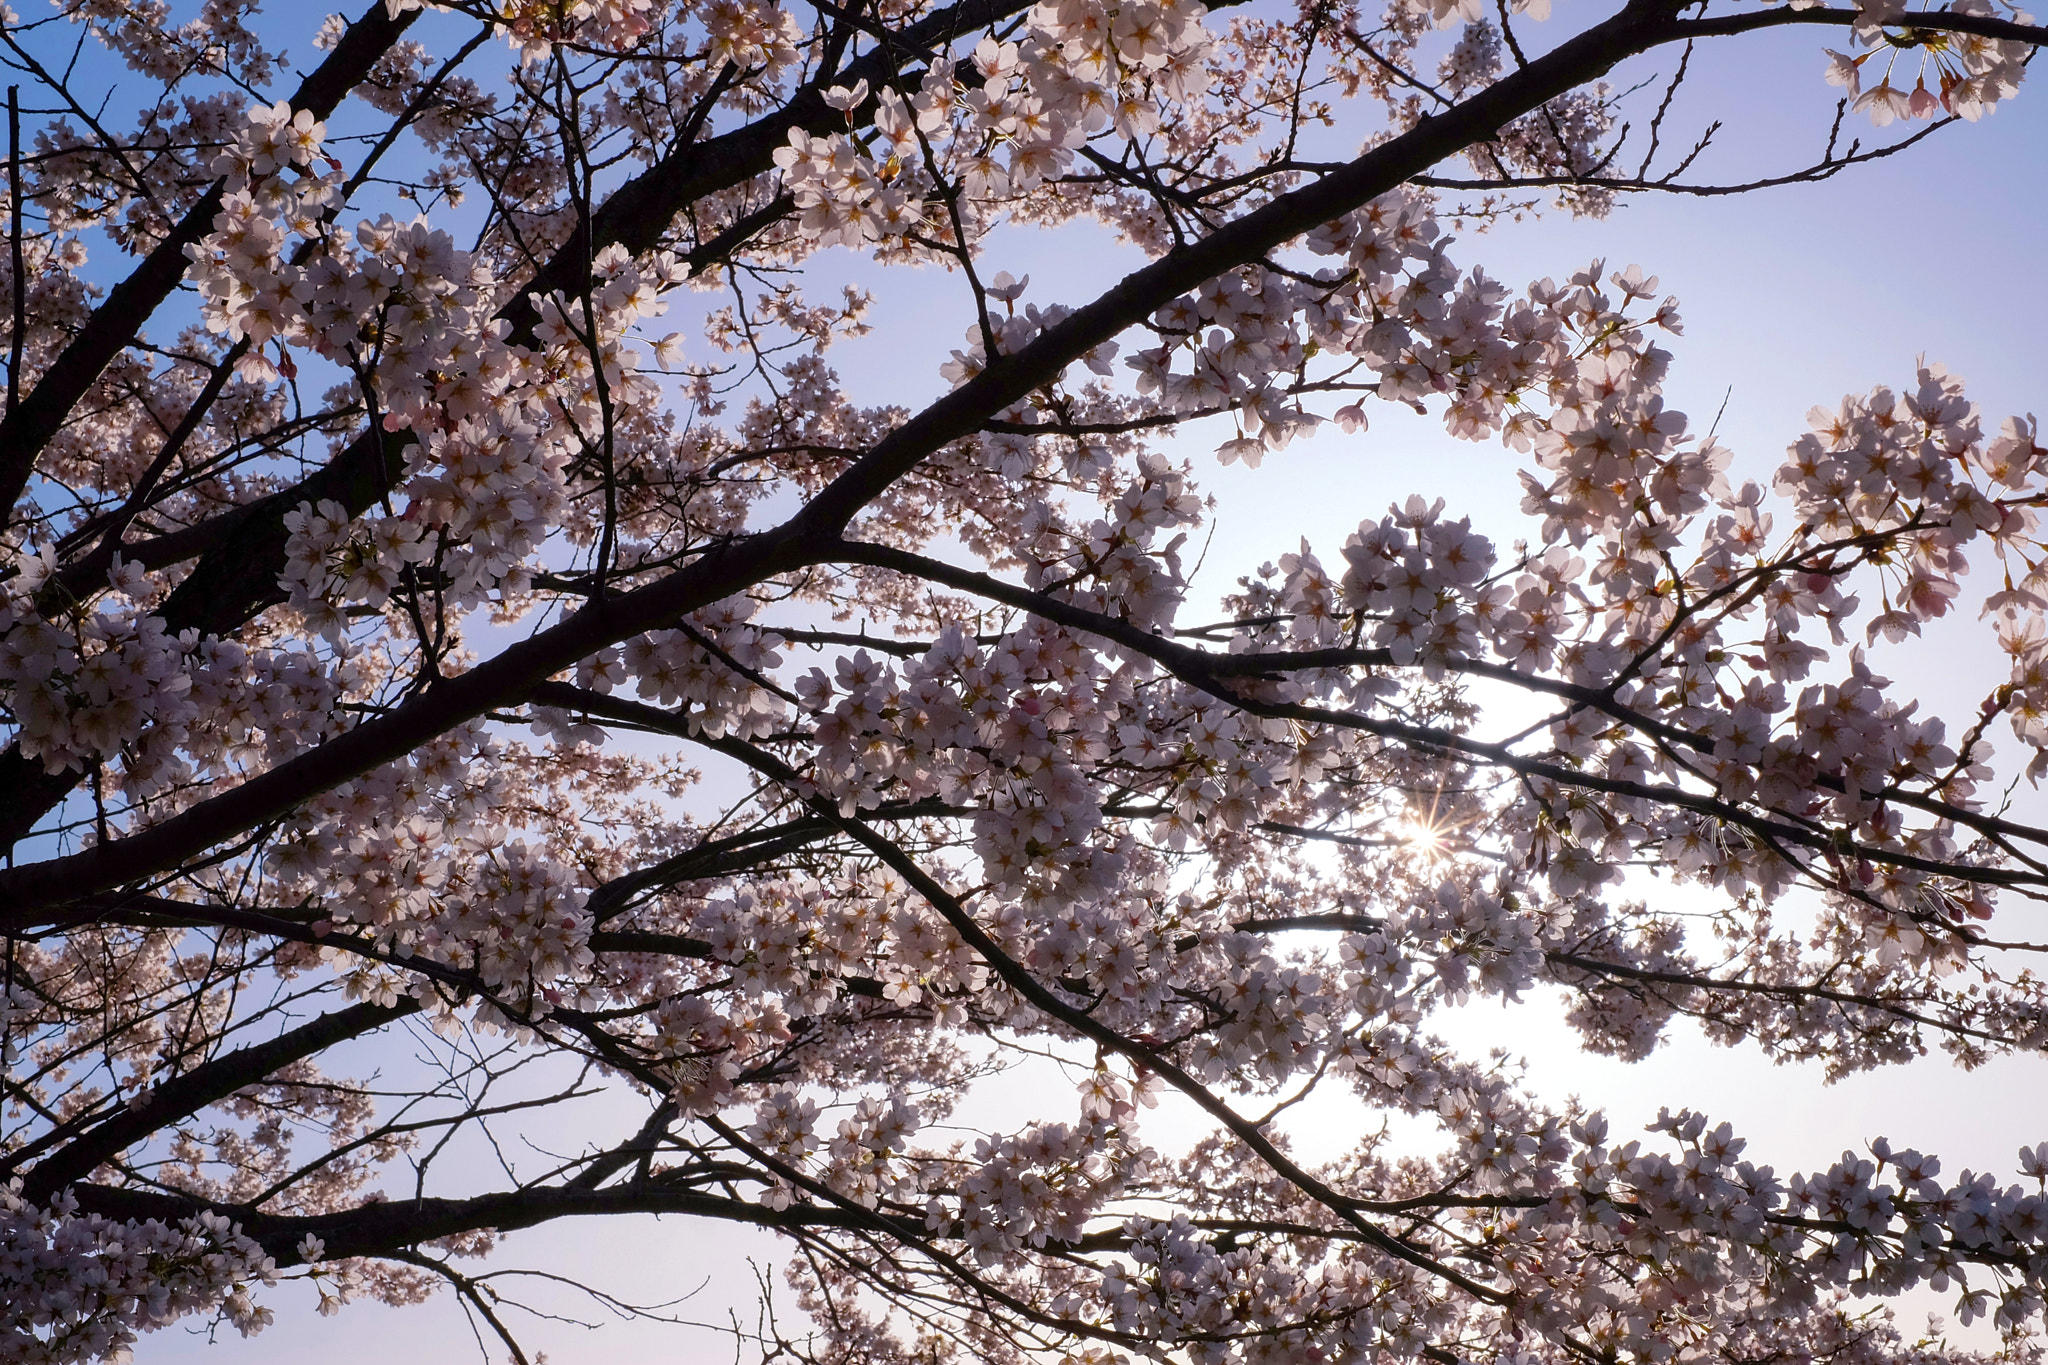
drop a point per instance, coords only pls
(1422, 837)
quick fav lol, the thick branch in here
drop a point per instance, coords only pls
(1010, 378)
(373, 1229)
(1927, 21)
(206, 1084)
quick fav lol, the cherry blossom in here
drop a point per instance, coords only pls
(450, 595)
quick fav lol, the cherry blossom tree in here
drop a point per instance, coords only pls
(404, 634)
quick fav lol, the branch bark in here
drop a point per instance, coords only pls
(185, 1095)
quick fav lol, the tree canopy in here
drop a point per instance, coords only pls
(450, 597)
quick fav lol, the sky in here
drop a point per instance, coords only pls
(1791, 297)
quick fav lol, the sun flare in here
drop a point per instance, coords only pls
(1423, 836)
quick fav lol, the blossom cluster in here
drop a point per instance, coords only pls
(110, 682)
(1005, 124)
(81, 1287)
(415, 856)
(1972, 74)
(709, 671)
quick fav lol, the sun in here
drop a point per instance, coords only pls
(1423, 836)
